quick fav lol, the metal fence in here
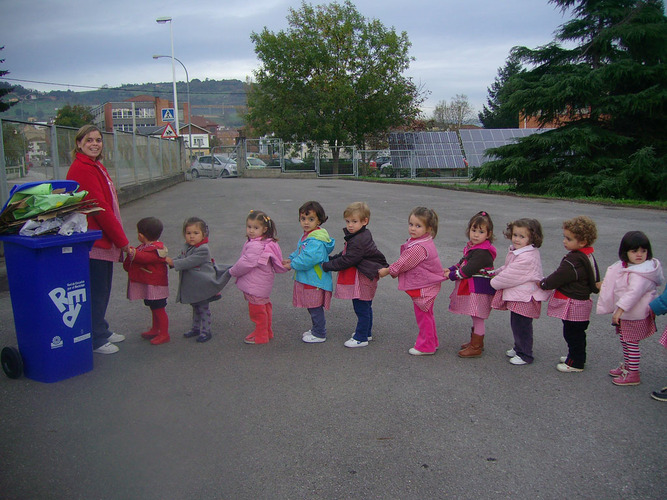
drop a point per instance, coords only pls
(408, 163)
(36, 152)
(303, 156)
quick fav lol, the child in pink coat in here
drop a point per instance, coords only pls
(628, 288)
(517, 285)
(254, 271)
(420, 275)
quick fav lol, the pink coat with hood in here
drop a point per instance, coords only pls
(631, 288)
(519, 277)
(254, 271)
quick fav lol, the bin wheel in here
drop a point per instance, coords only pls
(12, 364)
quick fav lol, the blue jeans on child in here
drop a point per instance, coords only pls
(364, 311)
(522, 328)
(319, 328)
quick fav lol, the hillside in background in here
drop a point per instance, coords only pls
(217, 100)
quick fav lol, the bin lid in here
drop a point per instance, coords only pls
(51, 240)
(68, 186)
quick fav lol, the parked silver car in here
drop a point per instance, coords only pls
(255, 163)
(213, 166)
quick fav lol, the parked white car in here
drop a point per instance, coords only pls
(213, 166)
(255, 163)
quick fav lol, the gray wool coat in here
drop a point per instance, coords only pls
(199, 278)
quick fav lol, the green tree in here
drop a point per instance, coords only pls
(606, 86)
(4, 90)
(450, 116)
(497, 114)
(332, 76)
(73, 116)
(15, 144)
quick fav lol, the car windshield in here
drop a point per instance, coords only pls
(256, 162)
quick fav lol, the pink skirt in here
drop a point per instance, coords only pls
(475, 304)
(362, 289)
(636, 330)
(254, 299)
(531, 309)
(570, 309)
(663, 338)
(310, 297)
(142, 291)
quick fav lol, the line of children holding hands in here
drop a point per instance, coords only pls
(518, 285)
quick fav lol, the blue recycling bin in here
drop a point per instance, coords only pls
(49, 284)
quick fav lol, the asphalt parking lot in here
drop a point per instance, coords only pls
(288, 420)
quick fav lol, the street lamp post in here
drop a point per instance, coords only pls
(187, 87)
(162, 20)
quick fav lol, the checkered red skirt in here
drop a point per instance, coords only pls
(638, 329)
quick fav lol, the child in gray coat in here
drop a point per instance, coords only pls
(200, 280)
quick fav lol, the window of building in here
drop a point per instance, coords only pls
(145, 112)
(123, 127)
(121, 113)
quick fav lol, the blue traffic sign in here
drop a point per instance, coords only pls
(168, 115)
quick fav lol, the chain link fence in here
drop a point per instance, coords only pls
(35, 152)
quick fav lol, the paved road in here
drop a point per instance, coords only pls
(225, 420)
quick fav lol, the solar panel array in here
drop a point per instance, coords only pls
(477, 141)
(425, 150)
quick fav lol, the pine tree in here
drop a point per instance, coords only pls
(4, 106)
(606, 86)
(497, 115)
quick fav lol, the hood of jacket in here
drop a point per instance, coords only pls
(650, 270)
(320, 234)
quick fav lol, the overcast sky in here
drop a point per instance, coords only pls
(458, 46)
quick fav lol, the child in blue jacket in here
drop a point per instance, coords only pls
(659, 306)
(312, 285)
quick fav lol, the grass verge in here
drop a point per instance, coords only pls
(505, 189)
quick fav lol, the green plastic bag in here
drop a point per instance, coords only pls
(40, 199)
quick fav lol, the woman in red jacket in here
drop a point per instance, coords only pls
(91, 175)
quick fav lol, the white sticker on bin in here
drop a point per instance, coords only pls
(81, 338)
(67, 249)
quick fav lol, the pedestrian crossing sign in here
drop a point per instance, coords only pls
(169, 132)
(168, 115)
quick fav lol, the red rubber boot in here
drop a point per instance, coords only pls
(269, 314)
(163, 323)
(154, 329)
(260, 318)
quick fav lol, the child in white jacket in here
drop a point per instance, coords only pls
(517, 285)
(629, 286)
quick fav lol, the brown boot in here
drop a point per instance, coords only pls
(474, 350)
(467, 344)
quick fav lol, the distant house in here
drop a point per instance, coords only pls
(200, 136)
(139, 111)
(205, 123)
(527, 121)
(226, 137)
